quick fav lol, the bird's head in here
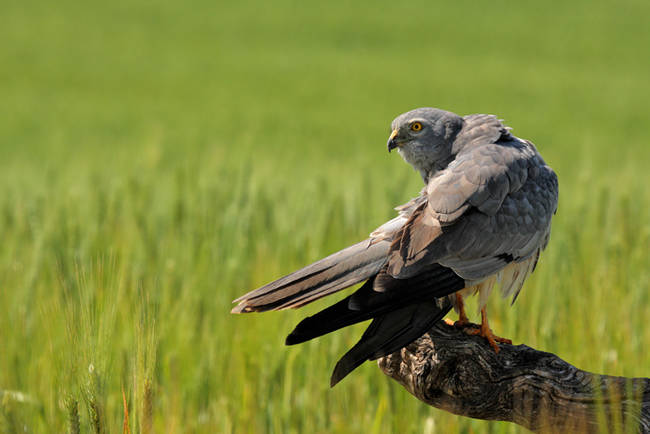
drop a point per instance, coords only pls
(424, 138)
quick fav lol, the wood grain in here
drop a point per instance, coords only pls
(461, 374)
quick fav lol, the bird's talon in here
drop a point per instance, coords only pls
(485, 332)
(501, 340)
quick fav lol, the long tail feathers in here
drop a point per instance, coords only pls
(390, 332)
(333, 273)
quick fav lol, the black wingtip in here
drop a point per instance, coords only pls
(348, 363)
(337, 375)
(293, 339)
(301, 333)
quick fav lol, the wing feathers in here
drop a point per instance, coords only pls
(376, 297)
(389, 333)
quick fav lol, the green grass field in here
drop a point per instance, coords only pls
(158, 159)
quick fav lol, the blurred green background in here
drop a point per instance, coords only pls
(158, 159)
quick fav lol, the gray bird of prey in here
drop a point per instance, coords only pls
(482, 218)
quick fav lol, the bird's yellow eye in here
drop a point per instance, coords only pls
(416, 126)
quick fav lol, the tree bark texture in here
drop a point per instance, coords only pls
(450, 370)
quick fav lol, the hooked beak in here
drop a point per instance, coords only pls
(392, 142)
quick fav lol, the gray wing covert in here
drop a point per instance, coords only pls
(491, 206)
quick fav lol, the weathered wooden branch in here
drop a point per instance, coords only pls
(461, 374)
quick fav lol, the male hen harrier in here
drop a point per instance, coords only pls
(483, 217)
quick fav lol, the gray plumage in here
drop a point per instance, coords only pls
(483, 217)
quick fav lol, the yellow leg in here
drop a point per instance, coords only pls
(463, 321)
(485, 332)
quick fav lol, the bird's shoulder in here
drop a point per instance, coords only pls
(479, 129)
(483, 174)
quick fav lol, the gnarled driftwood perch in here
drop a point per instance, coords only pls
(461, 374)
